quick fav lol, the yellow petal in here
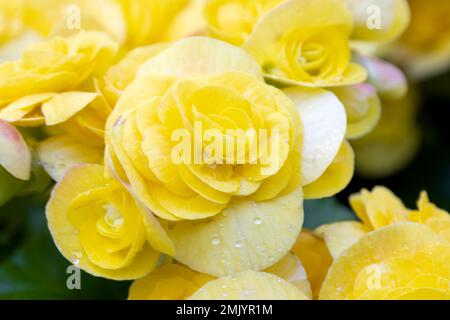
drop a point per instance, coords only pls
(341, 235)
(336, 177)
(65, 105)
(378, 208)
(324, 126)
(20, 108)
(76, 181)
(58, 154)
(246, 235)
(169, 282)
(200, 55)
(290, 268)
(315, 257)
(249, 285)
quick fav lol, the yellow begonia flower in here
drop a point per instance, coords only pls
(306, 42)
(99, 227)
(47, 86)
(424, 49)
(315, 257)
(249, 285)
(15, 34)
(400, 261)
(11, 22)
(68, 17)
(378, 20)
(147, 21)
(188, 22)
(206, 81)
(60, 64)
(233, 21)
(169, 282)
(15, 157)
(132, 23)
(327, 159)
(394, 142)
(377, 209)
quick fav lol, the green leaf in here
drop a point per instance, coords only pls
(324, 211)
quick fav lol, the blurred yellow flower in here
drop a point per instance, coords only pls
(424, 49)
(394, 142)
(147, 20)
(99, 227)
(233, 21)
(378, 21)
(10, 20)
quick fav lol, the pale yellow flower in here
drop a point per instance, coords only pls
(304, 42)
(394, 142)
(222, 87)
(99, 227)
(378, 21)
(424, 49)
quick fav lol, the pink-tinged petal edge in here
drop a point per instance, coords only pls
(15, 157)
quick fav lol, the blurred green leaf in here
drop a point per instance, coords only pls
(36, 270)
(319, 212)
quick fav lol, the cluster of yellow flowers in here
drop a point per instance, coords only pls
(115, 84)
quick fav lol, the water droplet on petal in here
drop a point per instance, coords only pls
(215, 241)
(239, 244)
(257, 221)
(247, 292)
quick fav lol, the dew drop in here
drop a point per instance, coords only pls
(257, 221)
(239, 244)
(215, 241)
